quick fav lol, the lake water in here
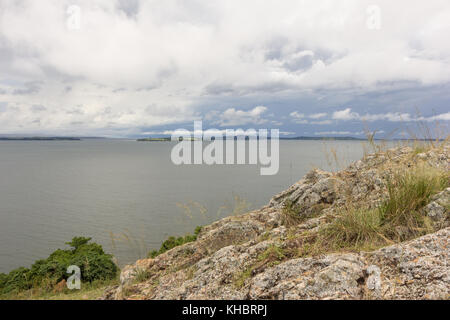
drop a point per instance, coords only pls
(51, 191)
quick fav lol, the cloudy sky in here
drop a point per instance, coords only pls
(127, 68)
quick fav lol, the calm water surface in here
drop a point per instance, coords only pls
(51, 191)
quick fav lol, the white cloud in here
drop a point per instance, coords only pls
(151, 63)
(322, 122)
(318, 115)
(440, 117)
(233, 117)
(287, 133)
(298, 117)
(392, 117)
(338, 133)
(346, 114)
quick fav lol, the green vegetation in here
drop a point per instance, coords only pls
(44, 274)
(408, 193)
(153, 140)
(173, 242)
(272, 254)
(291, 213)
(39, 139)
(240, 278)
(397, 219)
(142, 275)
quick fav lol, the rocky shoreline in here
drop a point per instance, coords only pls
(259, 255)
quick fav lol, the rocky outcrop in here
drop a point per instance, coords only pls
(412, 270)
(253, 256)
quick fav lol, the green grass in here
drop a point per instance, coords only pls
(141, 275)
(397, 219)
(409, 192)
(291, 214)
(354, 229)
(240, 278)
(272, 253)
(271, 256)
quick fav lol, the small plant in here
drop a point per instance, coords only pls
(240, 278)
(271, 256)
(273, 253)
(291, 213)
(173, 242)
(141, 275)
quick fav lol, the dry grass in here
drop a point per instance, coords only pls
(409, 191)
(397, 219)
(88, 291)
(291, 214)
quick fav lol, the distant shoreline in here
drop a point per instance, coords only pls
(39, 139)
(166, 139)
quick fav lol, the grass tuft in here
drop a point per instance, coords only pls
(291, 214)
(397, 219)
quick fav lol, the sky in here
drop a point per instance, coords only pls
(133, 68)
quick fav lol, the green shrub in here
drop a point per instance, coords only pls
(18, 279)
(93, 262)
(173, 242)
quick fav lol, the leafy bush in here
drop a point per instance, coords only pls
(173, 242)
(93, 262)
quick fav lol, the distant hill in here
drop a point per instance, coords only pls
(39, 139)
(322, 138)
(281, 138)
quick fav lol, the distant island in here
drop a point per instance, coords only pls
(153, 139)
(322, 138)
(167, 139)
(39, 139)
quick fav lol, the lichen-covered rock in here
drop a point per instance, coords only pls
(255, 256)
(331, 277)
(416, 269)
(437, 210)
